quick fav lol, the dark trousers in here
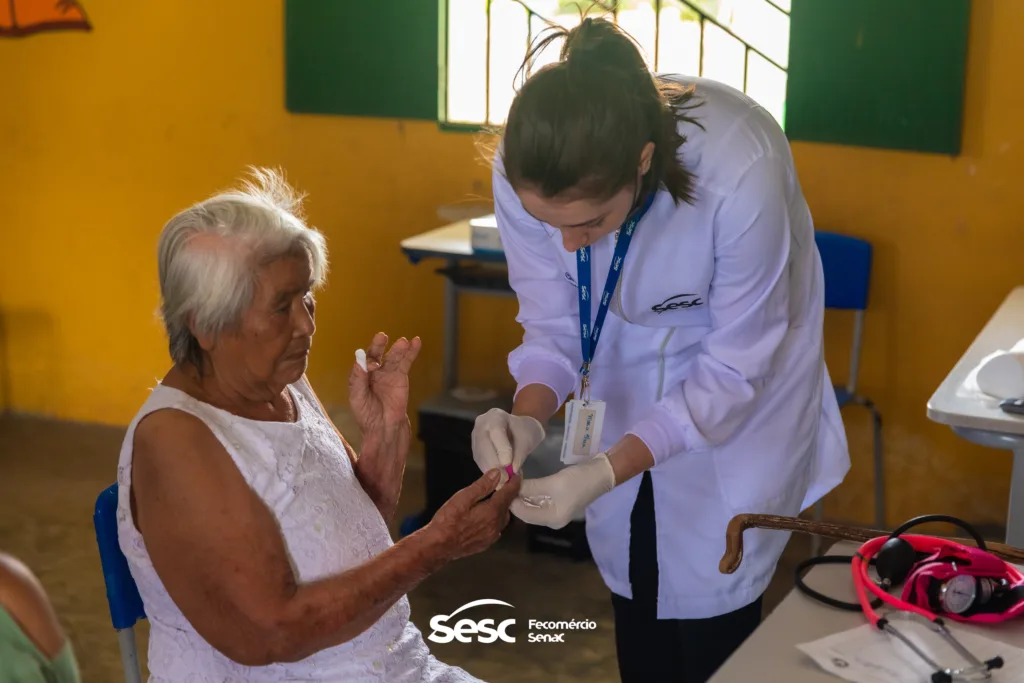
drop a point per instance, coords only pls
(668, 650)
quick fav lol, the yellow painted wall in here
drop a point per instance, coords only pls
(948, 251)
(104, 135)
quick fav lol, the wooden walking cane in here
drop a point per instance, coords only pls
(740, 523)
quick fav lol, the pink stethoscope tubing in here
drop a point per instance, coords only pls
(863, 583)
(862, 580)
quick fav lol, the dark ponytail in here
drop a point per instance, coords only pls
(578, 127)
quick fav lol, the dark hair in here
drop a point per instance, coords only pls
(580, 124)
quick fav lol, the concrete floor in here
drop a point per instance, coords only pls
(51, 472)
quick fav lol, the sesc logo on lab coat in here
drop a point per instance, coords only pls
(679, 301)
(468, 630)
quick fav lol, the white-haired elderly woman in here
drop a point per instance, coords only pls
(258, 538)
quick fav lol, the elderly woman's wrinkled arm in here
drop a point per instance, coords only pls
(220, 555)
(380, 467)
(381, 464)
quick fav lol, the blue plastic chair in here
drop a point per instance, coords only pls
(122, 594)
(846, 262)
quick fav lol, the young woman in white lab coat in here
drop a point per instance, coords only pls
(710, 362)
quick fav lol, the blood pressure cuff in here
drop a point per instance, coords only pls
(998, 585)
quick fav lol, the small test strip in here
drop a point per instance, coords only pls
(361, 358)
(509, 471)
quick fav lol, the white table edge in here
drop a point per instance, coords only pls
(943, 408)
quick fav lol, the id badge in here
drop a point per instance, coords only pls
(582, 439)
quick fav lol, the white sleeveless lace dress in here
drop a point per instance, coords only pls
(303, 474)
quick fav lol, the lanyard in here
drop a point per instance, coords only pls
(588, 336)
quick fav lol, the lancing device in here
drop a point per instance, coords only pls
(361, 358)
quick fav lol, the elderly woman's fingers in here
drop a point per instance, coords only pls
(375, 352)
(393, 358)
(410, 355)
(402, 354)
(358, 382)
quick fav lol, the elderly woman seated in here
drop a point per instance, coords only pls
(258, 538)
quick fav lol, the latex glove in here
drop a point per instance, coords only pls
(556, 500)
(500, 439)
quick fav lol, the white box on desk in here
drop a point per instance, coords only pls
(483, 234)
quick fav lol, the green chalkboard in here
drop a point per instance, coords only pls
(362, 57)
(878, 73)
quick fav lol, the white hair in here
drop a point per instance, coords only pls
(209, 255)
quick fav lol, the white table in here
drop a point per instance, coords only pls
(770, 654)
(982, 422)
(450, 241)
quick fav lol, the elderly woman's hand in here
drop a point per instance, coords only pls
(473, 518)
(379, 396)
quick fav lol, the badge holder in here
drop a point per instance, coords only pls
(583, 422)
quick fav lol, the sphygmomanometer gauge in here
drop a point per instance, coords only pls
(958, 594)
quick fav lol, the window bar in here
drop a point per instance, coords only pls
(746, 65)
(657, 32)
(700, 64)
(528, 63)
(772, 3)
(443, 106)
(613, 6)
(487, 67)
(706, 17)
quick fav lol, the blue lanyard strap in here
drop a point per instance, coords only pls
(588, 336)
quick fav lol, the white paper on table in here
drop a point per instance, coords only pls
(971, 389)
(867, 655)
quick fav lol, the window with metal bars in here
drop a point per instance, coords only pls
(743, 43)
(873, 73)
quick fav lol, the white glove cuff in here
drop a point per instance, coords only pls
(603, 466)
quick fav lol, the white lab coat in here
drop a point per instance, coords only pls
(712, 354)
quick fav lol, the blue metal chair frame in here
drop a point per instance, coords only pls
(122, 595)
(846, 262)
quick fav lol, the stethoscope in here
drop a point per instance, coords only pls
(894, 558)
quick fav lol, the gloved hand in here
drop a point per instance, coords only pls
(501, 439)
(556, 500)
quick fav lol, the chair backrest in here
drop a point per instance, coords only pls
(847, 264)
(122, 594)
